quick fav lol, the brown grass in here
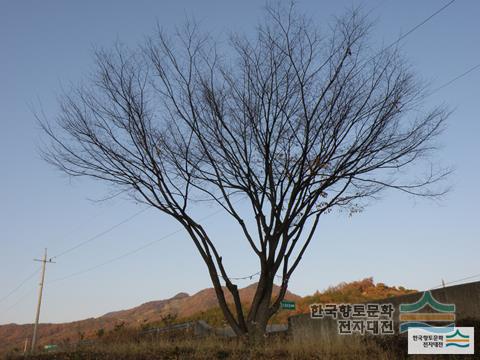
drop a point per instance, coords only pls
(216, 348)
(124, 345)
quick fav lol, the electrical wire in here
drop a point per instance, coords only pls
(423, 22)
(135, 250)
(177, 231)
(20, 285)
(131, 252)
(455, 281)
(420, 24)
(409, 32)
(455, 79)
(25, 296)
(95, 237)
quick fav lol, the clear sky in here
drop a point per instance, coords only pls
(45, 45)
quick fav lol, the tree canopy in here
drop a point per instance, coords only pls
(294, 121)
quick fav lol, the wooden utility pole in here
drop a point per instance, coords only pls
(44, 262)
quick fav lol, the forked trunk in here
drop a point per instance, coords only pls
(257, 329)
(253, 330)
(260, 311)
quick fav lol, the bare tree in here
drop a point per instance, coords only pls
(295, 122)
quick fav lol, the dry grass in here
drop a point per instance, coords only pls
(125, 346)
(215, 348)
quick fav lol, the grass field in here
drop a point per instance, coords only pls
(129, 344)
(215, 348)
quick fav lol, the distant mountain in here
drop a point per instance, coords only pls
(183, 307)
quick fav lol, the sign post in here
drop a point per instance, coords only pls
(287, 305)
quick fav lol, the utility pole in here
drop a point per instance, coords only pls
(25, 347)
(44, 262)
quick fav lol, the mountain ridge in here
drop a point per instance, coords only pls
(184, 307)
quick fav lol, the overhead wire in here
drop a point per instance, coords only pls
(135, 250)
(179, 230)
(423, 22)
(473, 68)
(20, 300)
(23, 282)
(455, 281)
(104, 232)
(413, 29)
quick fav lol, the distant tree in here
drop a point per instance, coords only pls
(144, 325)
(118, 327)
(81, 335)
(169, 319)
(100, 333)
(277, 130)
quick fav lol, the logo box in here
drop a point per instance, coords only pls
(441, 340)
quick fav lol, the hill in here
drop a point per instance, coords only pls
(183, 307)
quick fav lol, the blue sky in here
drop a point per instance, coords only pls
(399, 240)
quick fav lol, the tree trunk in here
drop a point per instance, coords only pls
(260, 311)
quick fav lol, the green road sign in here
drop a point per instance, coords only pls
(50, 347)
(288, 305)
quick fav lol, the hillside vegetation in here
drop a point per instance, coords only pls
(352, 292)
(182, 308)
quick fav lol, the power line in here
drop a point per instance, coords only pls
(27, 294)
(455, 281)
(23, 282)
(413, 29)
(20, 285)
(138, 213)
(175, 232)
(131, 252)
(134, 251)
(420, 24)
(456, 78)
(463, 279)
(95, 237)
(94, 216)
(473, 68)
